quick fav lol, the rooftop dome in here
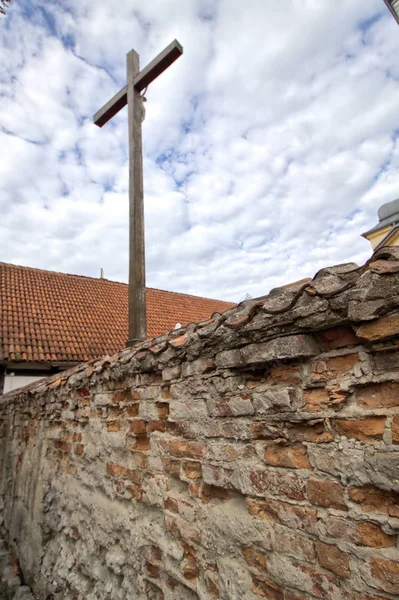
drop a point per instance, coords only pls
(388, 209)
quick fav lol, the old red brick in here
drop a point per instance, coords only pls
(171, 504)
(373, 499)
(381, 329)
(171, 582)
(208, 492)
(134, 475)
(157, 425)
(116, 470)
(142, 443)
(212, 587)
(220, 476)
(333, 368)
(284, 486)
(114, 412)
(121, 396)
(293, 456)
(266, 588)
(184, 449)
(138, 426)
(264, 430)
(292, 543)
(190, 570)
(179, 341)
(365, 430)
(113, 426)
(192, 470)
(171, 466)
(332, 558)
(329, 494)
(63, 446)
(338, 337)
(361, 533)
(152, 570)
(370, 534)
(75, 535)
(395, 430)
(324, 586)
(316, 400)
(254, 558)
(378, 395)
(194, 489)
(172, 526)
(162, 409)
(284, 374)
(386, 572)
(190, 552)
(302, 518)
(155, 555)
(132, 410)
(313, 431)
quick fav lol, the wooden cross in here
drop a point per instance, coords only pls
(137, 81)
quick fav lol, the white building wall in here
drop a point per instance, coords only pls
(12, 382)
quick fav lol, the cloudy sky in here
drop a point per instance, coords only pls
(268, 146)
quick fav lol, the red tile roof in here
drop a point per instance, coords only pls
(48, 316)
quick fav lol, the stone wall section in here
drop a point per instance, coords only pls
(255, 455)
(11, 586)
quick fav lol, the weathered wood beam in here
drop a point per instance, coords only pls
(158, 65)
(137, 292)
(141, 81)
(137, 81)
(110, 109)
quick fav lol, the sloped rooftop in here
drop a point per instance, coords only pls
(48, 316)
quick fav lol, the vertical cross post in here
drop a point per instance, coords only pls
(136, 294)
(137, 81)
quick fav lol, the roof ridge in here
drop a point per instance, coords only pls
(112, 281)
(55, 272)
(192, 296)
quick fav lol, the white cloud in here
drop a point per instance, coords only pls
(268, 146)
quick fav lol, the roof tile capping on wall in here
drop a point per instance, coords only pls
(254, 455)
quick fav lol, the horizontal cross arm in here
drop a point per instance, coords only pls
(141, 81)
(111, 108)
(158, 65)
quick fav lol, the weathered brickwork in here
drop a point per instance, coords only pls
(255, 455)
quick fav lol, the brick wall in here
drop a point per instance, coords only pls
(251, 456)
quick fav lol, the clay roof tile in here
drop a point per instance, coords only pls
(62, 317)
